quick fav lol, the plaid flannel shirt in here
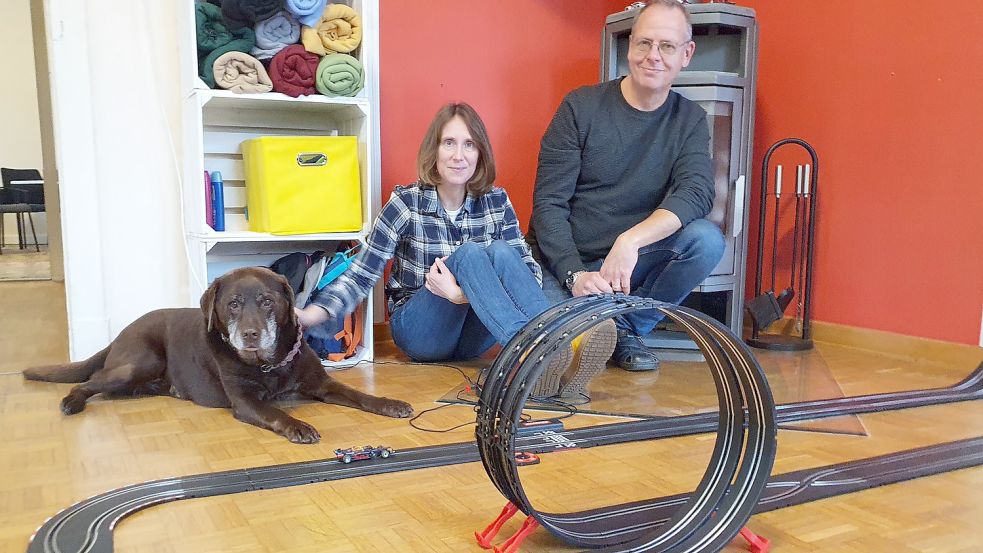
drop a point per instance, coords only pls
(413, 230)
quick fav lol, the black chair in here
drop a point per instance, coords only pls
(23, 192)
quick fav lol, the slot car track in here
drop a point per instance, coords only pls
(743, 452)
(87, 526)
(812, 484)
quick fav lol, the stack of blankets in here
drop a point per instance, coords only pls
(297, 47)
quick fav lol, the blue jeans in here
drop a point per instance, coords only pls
(667, 270)
(503, 296)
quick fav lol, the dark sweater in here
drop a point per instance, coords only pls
(605, 166)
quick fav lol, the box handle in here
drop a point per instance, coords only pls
(312, 159)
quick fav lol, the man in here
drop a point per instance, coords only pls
(623, 184)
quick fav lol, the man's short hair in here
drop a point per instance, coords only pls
(668, 4)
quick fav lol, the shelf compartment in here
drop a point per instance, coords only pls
(226, 122)
(254, 249)
(215, 122)
(302, 240)
(277, 100)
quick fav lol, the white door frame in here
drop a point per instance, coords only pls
(77, 176)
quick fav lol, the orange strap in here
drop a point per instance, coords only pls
(358, 333)
(351, 335)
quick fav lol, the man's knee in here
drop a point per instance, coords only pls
(703, 239)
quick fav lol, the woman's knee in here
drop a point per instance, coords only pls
(467, 254)
(499, 251)
(466, 250)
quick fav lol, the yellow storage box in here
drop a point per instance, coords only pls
(302, 184)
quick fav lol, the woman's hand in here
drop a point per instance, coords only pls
(441, 282)
(312, 315)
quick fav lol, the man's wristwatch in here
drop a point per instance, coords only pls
(572, 279)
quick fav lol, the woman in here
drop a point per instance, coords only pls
(462, 278)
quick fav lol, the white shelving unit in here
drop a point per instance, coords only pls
(215, 122)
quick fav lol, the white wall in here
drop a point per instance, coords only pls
(20, 135)
(135, 94)
(115, 99)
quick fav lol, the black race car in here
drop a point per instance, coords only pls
(360, 453)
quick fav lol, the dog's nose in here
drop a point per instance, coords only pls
(250, 335)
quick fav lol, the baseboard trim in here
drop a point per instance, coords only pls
(878, 341)
(901, 345)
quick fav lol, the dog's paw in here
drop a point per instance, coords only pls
(72, 405)
(300, 432)
(394, 408)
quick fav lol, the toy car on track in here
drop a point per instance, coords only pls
(361, 453)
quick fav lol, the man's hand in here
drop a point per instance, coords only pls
(441, 282)
(619, 264)
(590, 283)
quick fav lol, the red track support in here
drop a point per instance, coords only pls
(488, 534)
(512, 544)
(756, 543)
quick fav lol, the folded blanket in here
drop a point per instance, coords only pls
(247, 13)
(240, 72)
(308, 12)
(339, 75)
(210, 28)
(293, 71)
(243, 41)
(339, 30)
(274, 34)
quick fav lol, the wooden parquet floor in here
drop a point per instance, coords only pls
(49, 461)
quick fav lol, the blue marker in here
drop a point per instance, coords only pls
(218, 201)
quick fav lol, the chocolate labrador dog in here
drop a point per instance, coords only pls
(243, 349)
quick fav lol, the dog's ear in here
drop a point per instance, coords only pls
(208, 302)
(288, 292)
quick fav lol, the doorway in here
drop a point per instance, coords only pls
(29, 241)
(33, 325)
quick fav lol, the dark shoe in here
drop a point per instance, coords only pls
(631, 354)
(549, 381)
(589, 359)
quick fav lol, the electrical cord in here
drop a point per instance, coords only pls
(475, 386)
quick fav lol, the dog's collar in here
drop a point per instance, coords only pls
(290, 356)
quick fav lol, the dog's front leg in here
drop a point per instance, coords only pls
(330, 390)
(253, 411)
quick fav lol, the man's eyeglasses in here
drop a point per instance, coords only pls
(644, 46)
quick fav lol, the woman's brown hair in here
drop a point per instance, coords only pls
(426, 160)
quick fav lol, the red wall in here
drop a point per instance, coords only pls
(887, 92)
(889, 95)
(513, 60)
